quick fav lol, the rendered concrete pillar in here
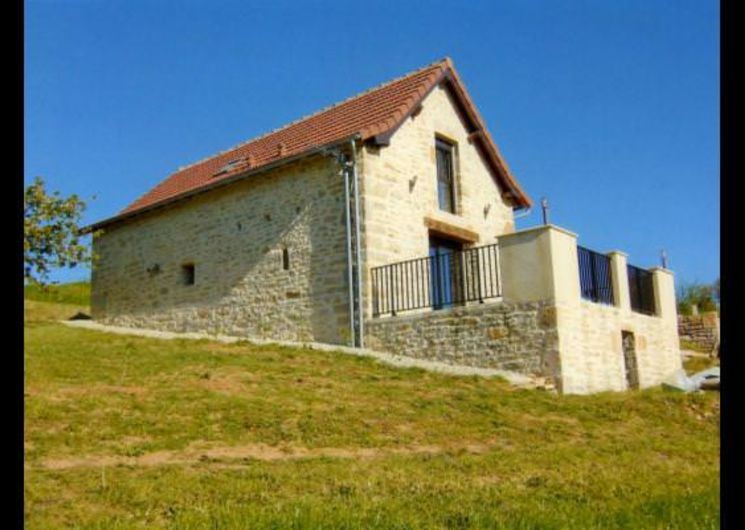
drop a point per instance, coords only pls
(620, 279)
(664, 294)
(564, 266)
(539, 264)
(523, 260)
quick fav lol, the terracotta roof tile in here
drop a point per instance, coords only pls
(377, 111)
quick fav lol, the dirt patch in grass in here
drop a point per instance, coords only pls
(68, 463)
(235, 348)
(68, 393)
(229, 383)
(134, 390)
(221, 454)
(78, 391)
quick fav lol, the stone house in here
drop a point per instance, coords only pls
(385, 221)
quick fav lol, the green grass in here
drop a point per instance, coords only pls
(697, 364)
(77, 293)
(34, 311)
(694, 346)
(128, 432)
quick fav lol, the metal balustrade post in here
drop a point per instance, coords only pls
(448, 279)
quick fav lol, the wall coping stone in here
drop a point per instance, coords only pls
(538, 229)
(400, 361)
(661, 269)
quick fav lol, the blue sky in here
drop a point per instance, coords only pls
(608, 109)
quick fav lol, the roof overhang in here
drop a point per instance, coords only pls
(378, 133)
(477, 134)
(318, 150)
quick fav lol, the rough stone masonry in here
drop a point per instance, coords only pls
(265, 257)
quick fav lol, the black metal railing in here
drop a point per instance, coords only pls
(641, 290)
(439, 281)
(595, 278)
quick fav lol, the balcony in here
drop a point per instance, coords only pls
(437, 282)
(541, 263)
(589, 319)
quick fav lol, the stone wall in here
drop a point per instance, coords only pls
(542, 325)
(399, 189)
(235, 238)
(521, 337)
(592, 358)
(703, 329)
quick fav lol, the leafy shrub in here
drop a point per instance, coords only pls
(705, 296)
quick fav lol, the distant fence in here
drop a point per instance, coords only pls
(595, 276)
(641, 290)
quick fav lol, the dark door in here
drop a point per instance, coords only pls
(444, 269)
(629, 359)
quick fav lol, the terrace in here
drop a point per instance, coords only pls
(534, 302)
(474, 275)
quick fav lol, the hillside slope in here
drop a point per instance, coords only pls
(129, 432)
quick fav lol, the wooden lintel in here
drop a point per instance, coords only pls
(478, 133)
(443, 228)
(382, 140)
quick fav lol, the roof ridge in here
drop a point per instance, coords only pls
(444, 61)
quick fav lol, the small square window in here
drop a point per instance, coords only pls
(285, 259)
(187, 274)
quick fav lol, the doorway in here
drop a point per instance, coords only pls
(445, 270)
(629, 359)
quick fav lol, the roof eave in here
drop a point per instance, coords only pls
(448, 74)
(222, 182)
(522, 200)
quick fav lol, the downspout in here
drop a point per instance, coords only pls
(349, 247)
(527, 212)
(358, 260)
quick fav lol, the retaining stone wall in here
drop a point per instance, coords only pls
(592, 357)
(521, 337)
(702, 330)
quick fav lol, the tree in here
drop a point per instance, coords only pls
(702, 295)
(51, 234)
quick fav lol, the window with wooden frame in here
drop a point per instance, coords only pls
(445, 154)
(285, 259)
(187, 274)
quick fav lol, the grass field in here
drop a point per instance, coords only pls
(696, 364)
(128, 432)
(77, 293)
